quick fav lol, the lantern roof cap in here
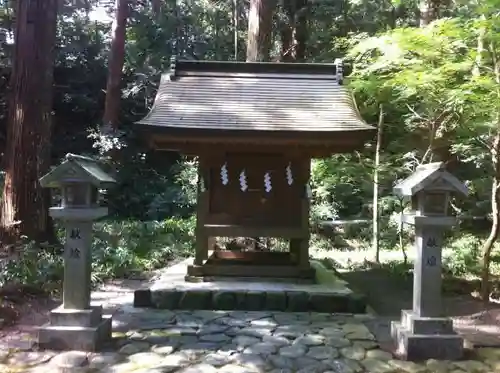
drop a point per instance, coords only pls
(430, 176)
(77, 169)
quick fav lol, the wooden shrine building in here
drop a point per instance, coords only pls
(255, 128)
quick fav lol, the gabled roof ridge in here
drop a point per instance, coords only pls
(250, 75)
(227, 68)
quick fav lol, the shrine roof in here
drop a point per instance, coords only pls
(267, 97)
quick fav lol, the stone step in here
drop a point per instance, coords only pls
(250, 300)
(258, 279)
(416, 347)
(71, 317)
(426, 325)
(59, 338)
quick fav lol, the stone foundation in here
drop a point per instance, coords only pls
(421, 338)
(172, 291)
(299, 301)
(83, 330)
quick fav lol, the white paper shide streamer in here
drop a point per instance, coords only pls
(289, 176)
(243, 181)
(198, 180)
(267, 182)
(223, 174)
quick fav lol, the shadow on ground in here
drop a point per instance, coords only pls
(389, 290)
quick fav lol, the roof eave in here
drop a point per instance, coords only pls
(147, 128)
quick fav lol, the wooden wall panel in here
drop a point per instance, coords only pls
(229, 205)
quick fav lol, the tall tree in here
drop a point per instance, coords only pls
(259, 39)
(486, 73)
(430, 10)
(376, 186)
(115, 65)
(156, 7)
(117, 59)
(24, 206)
(294, 31)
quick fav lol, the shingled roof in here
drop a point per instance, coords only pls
(240, 98)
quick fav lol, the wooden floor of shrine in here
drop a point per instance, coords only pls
(171, 291)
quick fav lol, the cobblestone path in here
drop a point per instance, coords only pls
(159, 341)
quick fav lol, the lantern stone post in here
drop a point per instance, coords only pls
(424, 332)
(76, 325)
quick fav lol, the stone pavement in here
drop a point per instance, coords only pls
(162, 341)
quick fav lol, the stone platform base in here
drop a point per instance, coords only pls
(172, 291)
(248, 279)
(422, 338)
(75, 329)
(81, 338)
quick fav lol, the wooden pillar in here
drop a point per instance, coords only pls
(299, 247)
(201, 213)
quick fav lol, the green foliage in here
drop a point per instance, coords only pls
(325, 273)
(122, 248)
(414, 71)
(339, 185)
(465, 257)
(398, 270)
(119, 249)
(38, 266)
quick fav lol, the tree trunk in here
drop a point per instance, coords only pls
(426, 12)
(115, 66)
(24, 206)
(259, 39)
(376, 214)
(294, 31)
(430, 10)
(235, 29)
(300, 31)
(286, 33)
(401, 232)
(495, 204)
(476, 68)
(156, 7)
(495, 192)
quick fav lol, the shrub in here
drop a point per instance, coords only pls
(119, 249)
(464, 257)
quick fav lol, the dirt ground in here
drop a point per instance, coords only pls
(21, 318)
(24, 312)
(387, 296)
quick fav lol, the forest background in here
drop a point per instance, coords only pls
(75, 75)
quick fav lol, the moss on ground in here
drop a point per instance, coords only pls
(326, 276)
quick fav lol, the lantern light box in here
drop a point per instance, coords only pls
(430, 189)
(79, 179)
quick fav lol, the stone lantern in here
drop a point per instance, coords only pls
(424, 332)
(76, 325)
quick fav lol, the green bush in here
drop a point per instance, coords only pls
(464, 257)
(122, 248)
(35, 265)
(119, 249)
